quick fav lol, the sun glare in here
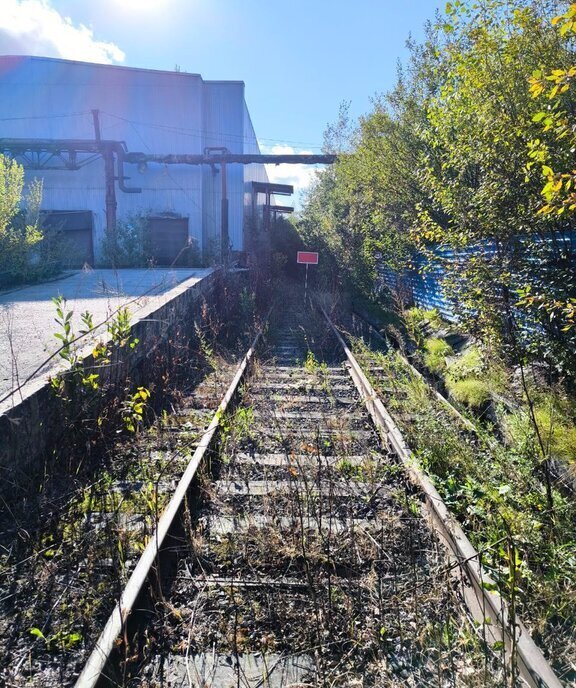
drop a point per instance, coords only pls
(141, 5)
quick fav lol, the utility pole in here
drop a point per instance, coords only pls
(109, 177)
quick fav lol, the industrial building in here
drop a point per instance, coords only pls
(74, 124)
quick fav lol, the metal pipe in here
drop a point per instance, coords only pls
(225, 233)
(110, 193)
(224, 227)
(120, 154)
(96, 120)
(22, 145)
(109, 180)
(228, 158)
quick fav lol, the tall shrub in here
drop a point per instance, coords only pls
(20, 232)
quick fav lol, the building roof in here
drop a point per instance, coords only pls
(40, 58)
(151, 110)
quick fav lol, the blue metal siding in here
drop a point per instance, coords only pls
(424, 283)
(222, 116)
(152, 112)
(252, 173)
(52, 98)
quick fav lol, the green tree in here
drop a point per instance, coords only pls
(365, 206)
(11, 187)
(552, 153)
(481, 123)
(439, 168)
(19, 231)
(323, 224)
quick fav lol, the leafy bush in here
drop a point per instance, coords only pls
(285, 242)
(467, 378)
(26, 253)
(16, 247)
(436, 350)
(130, 246)
(418, 320)
(420, 316)
(554, 420)
(413, 318)
(469, 364)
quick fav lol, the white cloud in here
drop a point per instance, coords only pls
(300, 176)
(34, 27)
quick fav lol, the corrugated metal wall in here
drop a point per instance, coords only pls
(423, 284)
(152, 112)
(252, 173)
(222, 117)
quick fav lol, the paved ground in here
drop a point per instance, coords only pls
(27, 324)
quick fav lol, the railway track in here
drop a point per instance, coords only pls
(311, 551)
(300, 547)
(67, 552)
(445, 439)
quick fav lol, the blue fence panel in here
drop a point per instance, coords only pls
(423, 284)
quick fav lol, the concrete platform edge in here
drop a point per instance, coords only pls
(27, 429)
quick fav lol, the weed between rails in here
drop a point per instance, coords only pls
(496, 493)
(68, 550)
(310, 546)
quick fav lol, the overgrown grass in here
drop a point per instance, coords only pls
(420, 317)
(497, 494)
(419, 322)
(471, 392)
(466, 378)
(97, 505)
(553, 416)
(435, 353)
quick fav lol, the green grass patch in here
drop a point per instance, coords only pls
(435, 353)
(471, 392)
(496, 492)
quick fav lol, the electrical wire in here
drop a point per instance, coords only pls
(200, 133)
(185, 131)
(19, 119)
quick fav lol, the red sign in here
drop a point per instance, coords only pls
(308, 257)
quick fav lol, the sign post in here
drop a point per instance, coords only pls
(307, 258)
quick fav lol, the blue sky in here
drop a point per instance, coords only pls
(299, 59)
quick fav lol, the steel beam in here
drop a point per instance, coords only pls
(281, 208)
(277, 189)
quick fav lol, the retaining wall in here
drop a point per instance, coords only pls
(32, 431)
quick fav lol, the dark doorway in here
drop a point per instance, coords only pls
(75, 231)
(169, 240)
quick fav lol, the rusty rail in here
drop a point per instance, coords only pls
(484, 604)
(440, 397)
(101, 654)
